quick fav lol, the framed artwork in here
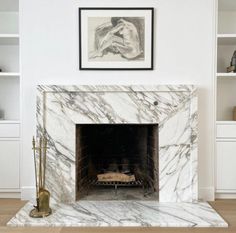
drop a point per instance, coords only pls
(116, 38)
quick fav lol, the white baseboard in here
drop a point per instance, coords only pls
(10, 195)
(225, 195)
(207, 193)
(28, 193)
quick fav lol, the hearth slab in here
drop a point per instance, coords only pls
(123, 214)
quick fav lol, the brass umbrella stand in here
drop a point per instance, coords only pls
(42, 208)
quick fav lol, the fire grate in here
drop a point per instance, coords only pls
(116, 184)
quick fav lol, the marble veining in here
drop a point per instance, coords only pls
(60, 108)
(123, 213)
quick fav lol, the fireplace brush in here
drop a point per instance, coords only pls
(42, 208)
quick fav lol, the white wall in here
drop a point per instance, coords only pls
(184, 32)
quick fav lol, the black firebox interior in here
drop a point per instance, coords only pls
(130, 149)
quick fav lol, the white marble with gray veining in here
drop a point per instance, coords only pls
(123, 213)
(60, 108)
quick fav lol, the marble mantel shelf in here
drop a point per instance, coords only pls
(116, 88)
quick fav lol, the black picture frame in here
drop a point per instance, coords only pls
(113, 65)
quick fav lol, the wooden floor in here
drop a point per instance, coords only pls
(8, 207)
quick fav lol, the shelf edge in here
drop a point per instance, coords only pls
(7, 74)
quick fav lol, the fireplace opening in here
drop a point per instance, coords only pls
(117, 162)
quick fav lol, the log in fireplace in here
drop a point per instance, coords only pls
(117, 161)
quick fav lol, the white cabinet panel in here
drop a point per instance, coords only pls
(9, 164)
(226, 130)
(9, 130)
(226, 165)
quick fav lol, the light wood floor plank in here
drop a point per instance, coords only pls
(10, 206)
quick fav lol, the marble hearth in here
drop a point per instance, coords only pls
(173, 111)
(123, 214)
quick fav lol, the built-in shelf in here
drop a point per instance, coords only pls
(226, 122)
(9, 74)
(226, 75)
(8, 36)
(9, 122)
(225, 84)
(9, 39)
(9, 61)
(226, 39)
(9, 97)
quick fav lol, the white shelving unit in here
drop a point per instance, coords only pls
(9, 60)
(9, 99)
(226, 45)
(225, 100)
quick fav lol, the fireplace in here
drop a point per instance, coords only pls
(126, 143)
(116, 162)
(152, 129)
(144, 135)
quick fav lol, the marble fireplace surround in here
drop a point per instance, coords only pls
(60, 108)
(173, 108)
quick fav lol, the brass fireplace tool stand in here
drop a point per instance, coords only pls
(42, 208)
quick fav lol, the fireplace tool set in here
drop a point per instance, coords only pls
(42, 208)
